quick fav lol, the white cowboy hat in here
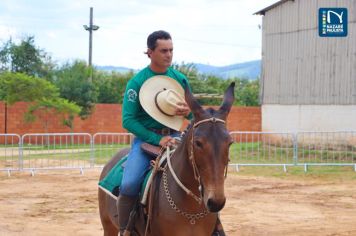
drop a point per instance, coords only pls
(159, 96)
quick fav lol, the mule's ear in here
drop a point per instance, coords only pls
(229, 98)
(193, 104)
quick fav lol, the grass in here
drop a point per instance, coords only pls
(258, 152)
(240, 153)
(65, 154)
(324, 173)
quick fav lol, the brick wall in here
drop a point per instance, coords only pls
(244, 119)
(107, 118)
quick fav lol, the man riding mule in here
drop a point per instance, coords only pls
(153, 110)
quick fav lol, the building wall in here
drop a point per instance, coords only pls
(107, 118)
(308, 83)
(298, 66)
(293, 118)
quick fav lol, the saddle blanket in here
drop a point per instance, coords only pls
(112, 181)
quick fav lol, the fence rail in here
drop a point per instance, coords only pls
(294, 149)
(56, 151)
(107, 144)
(53, 151)
(10, 152)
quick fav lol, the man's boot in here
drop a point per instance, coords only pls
(219, 230)
(125, 205)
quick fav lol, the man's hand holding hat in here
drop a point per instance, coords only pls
(182, 109)
(163, 99)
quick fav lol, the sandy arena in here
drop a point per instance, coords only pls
(65, 203)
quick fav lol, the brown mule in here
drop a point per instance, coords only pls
(188, 193)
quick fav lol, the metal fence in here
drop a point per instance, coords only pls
(293, 149)
(54, 151)
(107, 144)
(10, 152)
(326, 148)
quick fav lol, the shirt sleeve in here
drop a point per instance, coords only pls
(130, 115)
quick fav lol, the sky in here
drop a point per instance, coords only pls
(214, 32)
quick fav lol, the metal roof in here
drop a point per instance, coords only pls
(263, 11)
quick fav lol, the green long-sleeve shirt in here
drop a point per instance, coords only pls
(134, 117)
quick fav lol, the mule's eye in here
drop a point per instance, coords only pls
(198, 143)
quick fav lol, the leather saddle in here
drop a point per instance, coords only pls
(152, 150)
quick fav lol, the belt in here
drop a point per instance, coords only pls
(164, 131)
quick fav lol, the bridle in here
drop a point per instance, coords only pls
(191, 217)
(191, 155)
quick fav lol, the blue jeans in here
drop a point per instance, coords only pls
(136, 167)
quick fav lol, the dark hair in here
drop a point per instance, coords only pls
(152, 38)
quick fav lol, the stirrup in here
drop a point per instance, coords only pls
(219, 229)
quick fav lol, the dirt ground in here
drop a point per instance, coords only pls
(65, 203)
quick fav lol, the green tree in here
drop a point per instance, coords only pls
(202, 83)
(111, 86)
(26, 58)
(247, 92)
(42, 94)
(15, 87)
(62, 107)
(190, 71)
(73, 83)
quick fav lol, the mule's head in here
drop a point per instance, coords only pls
(209, 148)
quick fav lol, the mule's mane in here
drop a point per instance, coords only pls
(186, 131)
(211, 111)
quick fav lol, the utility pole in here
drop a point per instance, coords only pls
(90, 28)
(5, 116)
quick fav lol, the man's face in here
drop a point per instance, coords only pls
(163, 53)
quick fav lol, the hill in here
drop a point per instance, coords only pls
(119, 69)
(250, 70)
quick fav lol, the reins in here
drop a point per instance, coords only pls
(180, 184)
(191, 217)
